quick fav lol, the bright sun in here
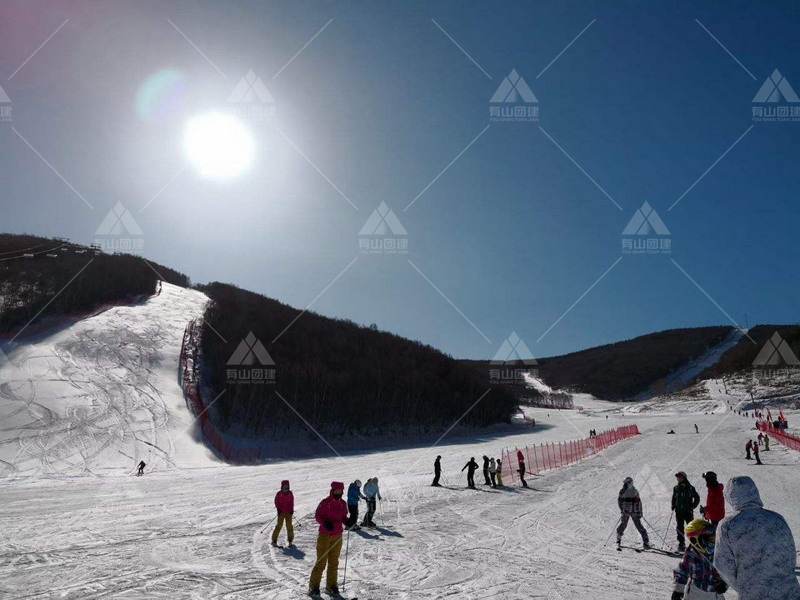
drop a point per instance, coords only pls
(218, 145)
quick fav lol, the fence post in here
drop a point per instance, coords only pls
(561, 452)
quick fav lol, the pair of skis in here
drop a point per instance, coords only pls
(650, 549)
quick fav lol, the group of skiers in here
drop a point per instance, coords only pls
(752, 550)
(754, 447)
(333, 515)
(492, 471)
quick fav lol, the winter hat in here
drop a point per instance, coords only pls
(357, 482)
(628, 480)
(710, 477)
(337, 485)
(285, 482)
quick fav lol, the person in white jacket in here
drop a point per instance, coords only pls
(755, 550)
(371, 491)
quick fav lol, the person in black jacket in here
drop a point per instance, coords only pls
(437, 471)
(684, 500)
(471, 467)
(486, 470)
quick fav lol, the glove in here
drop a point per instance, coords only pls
(677, 595)
(328, 525)
(721, 587)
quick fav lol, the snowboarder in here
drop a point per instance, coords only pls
(284, 503)
(766, 442)
(756, 452)
(684, 500)
(371, 491)
(714, 510)
(630, 507)
(437, 471)
(521, 470)
(696, 430)
(493, 472)
(353, 496)
(499, 472)
(696, 576)
(470, 466)
(748, 446)
(755, 553)
(486, 470)
(140, 472)
(331, 515)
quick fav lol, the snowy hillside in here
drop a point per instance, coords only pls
(102, 393)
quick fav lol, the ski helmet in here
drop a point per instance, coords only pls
(628, 480)
(357, 483)
(374, 480)
(698, 527)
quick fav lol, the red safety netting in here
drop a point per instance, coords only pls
(544, 457)
(783, 438)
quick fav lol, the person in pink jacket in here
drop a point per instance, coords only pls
(331, 515)
(284, 503)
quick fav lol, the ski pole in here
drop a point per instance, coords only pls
(654, 531)
(268, 524)
(666, 533)
(612, 531)
(346, 552)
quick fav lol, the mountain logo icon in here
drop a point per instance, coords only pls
(250, 89)
(511, 88)
(3, 96)
(644, 221)
(118, 221)
(776, 352)
(251, 351)
(381, 221)
(513, 349)
(775, 88)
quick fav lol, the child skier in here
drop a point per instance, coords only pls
(284, 503)
(371, 491)
(714, 510)
(630, 505)
(696, 577)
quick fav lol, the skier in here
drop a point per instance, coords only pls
(437, 471)
(493, 472)
(748, 446)
(331, 515)
(756, 553)
(714, 510)
(140, 472)
(353, 496)
(499, 472)
(760, 438)
(284, 503)
(684, 500)
(630, 507)
(756, 452)
(766, 442)
(486, 470)
(470, 466)
(696, 576)
(371, 491)
(696, 430)
(521, 470)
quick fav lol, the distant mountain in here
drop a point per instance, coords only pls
(46, 277)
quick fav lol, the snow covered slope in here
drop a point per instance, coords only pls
(101, 393)
(196, 533)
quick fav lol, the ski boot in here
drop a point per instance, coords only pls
(646, 545)
(332, 590)
(314, 592)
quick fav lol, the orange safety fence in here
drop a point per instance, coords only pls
(544, 457)
(784, 438)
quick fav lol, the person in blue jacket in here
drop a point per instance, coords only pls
(353, 496)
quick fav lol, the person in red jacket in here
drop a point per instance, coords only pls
(284, 503)
(331, 515)
(714, 510)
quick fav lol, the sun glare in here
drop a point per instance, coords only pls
(218, 145)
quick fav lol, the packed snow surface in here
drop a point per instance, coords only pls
(77, 525)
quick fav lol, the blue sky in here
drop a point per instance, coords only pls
(381, 102)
